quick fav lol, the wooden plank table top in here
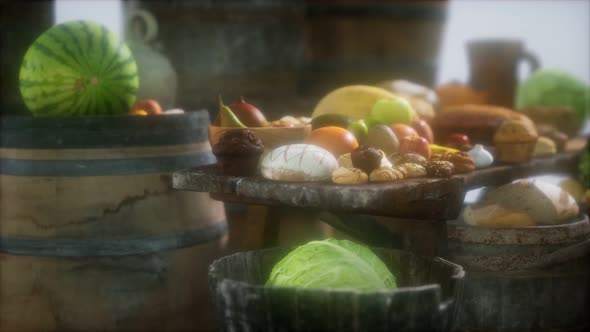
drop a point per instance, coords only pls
(419, 198)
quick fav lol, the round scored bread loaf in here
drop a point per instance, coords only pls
(298, 162)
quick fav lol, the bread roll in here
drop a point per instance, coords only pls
(523, 203)
(478, 122)
(298, 162)
(494, 215)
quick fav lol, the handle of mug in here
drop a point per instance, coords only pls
(531, 59)
(149, 23)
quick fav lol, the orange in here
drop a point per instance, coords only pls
(337, 140)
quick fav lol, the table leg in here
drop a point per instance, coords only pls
(423, 237)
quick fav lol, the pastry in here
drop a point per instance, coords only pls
(402, 169)
(439, 169)
(515, 141)
(366, 158)
(478, 122)
(298, 162)
(462, 162)
(481, 157)
(238, 152)
(544, 147)
(412, 170)
(402, 158)
(559, 138)
(383, 174)
(343, 175)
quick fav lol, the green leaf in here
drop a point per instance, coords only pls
(332, 263)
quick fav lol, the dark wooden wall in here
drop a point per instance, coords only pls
(283, 55)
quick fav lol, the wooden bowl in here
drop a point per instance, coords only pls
(271, 137)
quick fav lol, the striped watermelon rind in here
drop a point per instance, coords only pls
(78, 68)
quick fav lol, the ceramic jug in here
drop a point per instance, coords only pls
(157, 77)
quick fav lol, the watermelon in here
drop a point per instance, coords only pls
(78, 68)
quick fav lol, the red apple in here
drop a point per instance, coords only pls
(150, 106)
(402, 130)
(248, 114)
(415, 144)
(423, 129)
(458, 141)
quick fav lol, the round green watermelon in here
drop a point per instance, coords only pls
(78, 68)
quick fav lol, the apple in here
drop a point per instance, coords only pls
(415, 144)
(458, 141)
(359, 129)
(392, 110)
(423, 129)
(248, 114)
(402, 130)
(150, 106)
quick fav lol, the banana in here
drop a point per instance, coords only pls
(439, 149)
(354, 101)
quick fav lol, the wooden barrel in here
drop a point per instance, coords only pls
(364, 42)
(523, 279)
(93, 237)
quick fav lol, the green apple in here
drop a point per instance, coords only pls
(392, 110)
(359, 129)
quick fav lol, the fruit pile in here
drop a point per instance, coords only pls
(398, 130)
(242, 114)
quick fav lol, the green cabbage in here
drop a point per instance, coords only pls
(332, 263)
(554, 88)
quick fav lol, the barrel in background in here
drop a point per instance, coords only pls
(92, 236)
(365, 42)
(510, 283)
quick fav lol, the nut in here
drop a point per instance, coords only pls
(413, 170)
(403, 158)
(383, 174)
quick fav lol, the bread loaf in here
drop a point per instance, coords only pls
(298, 162)
(523, 203)
(494, 215)
(478, 122)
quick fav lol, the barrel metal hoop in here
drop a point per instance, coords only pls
(103, 167)
(123, 247)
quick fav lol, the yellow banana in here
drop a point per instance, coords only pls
(354, 101)
(439, 149)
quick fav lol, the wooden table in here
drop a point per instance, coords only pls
(375, 213)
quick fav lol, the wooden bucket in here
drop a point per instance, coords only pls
(523, 279)
(425, 300)
(93, 237)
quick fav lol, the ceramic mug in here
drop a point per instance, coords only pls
(494, 67)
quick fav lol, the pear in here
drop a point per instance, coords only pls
(227, 118)
(383, 138)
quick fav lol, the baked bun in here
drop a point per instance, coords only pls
(478, 122)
